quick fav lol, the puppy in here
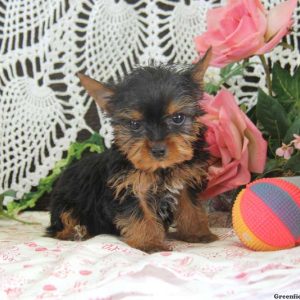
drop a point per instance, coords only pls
(150, 177)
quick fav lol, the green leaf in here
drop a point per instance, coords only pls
(293, 164)
(271, 165)
(273, 144)
(294, 129)
(294, 112)
(286, 87)
(271, 115)
(232, 70)
(252, 114)
(211, 88)
(286, 45)
(226, 70)
(273, 168)
(9, 193)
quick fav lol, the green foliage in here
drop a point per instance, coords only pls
(279, 116)
(8, 193)
(293, 164)
(294, 129)
(271, 115)
(286, 87)
(75, 151)
(211, 88)
(231, 70)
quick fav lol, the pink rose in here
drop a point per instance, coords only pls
(243, 28)
(235, 143)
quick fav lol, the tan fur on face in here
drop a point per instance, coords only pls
(123, 138)
(138, 150)
(179, 149)
(181, 105)
(128, 114)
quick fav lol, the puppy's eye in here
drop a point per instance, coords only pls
(178, 118)
(135, 125)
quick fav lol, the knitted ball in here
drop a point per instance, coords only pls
(266, 215)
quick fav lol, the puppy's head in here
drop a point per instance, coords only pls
(154, 112)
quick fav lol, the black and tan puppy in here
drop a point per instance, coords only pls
(151, 176)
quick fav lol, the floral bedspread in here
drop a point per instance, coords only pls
(36, 267)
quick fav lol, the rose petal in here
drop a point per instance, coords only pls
(258, 14)
(219, 184)
(233, 175)
(214, 16)
(244, 28)
(274, 41)
(257, 147)
(231, 18)
(226, 100)
(279, 17)
(245, 47)
(231, 134)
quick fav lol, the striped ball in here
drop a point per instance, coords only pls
(266, 215)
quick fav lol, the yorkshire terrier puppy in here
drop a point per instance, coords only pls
(150, 177)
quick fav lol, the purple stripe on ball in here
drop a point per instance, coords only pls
(281, 203)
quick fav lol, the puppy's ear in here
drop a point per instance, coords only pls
(99, 91)
(201, 66)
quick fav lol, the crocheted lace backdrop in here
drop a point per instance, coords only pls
(45, 42)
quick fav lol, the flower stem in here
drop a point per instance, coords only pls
(268, 74)
(3, 214)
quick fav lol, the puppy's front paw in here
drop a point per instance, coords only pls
(80, 233)
(193, 238)
(152, 248)
(207, 238)
(159, 248)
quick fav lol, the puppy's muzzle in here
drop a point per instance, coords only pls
(158, 150)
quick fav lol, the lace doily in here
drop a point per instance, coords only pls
(43, 44)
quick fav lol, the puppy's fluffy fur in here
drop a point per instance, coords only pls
(151, 176)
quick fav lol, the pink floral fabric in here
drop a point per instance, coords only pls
(36, 267)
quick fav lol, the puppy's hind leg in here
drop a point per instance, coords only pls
(66, 227)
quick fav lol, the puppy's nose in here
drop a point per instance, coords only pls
(158, 150)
